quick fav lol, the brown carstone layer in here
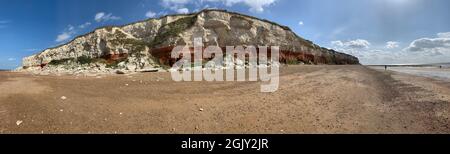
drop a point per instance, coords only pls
(164, 56)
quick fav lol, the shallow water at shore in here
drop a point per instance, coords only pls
(432, 72)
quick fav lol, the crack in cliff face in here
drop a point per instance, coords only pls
(147, 44)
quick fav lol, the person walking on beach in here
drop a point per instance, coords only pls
(385, 67)
(440, 66)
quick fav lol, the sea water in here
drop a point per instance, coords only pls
(432, 72)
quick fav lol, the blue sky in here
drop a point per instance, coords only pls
(377, 31)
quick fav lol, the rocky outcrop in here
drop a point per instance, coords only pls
(147, 44)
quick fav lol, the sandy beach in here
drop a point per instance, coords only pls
(310, 99)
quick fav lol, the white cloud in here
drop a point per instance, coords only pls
(66, 34)
(63, 36)
(69, 31)
(359, 43)
(254, 5)
(441, 44)
(444, 35)
(174, 5)
(102, 17)
(150, 14)
(199, 7)
(419, 51)
(163, 13)
(337, 43)
(366, 54)
(183, 11)
(31, 49)
(71, 28)
(99, 16)
(372, 56)
(84, 25)
(392, 44)
(11, 59)
(353, 44)
(301, 23)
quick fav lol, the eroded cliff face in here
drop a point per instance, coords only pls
(147, 44)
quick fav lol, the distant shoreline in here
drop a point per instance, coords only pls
(403, 65)
(414, 65)
(434, 72)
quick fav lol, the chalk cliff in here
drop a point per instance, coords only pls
(146, 45)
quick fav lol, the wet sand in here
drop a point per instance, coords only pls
(311, 99)
(431, 72)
